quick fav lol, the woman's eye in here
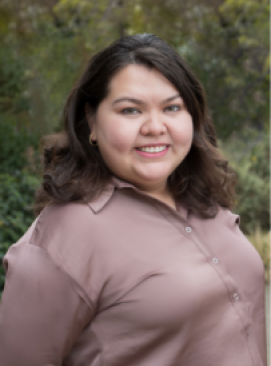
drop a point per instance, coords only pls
(130, 110)
(172, 108)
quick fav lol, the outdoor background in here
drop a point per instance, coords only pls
(45, 45)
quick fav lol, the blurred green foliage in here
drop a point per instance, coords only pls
(226, 43)
(16, 145)
(16, 197)
(253, 192)
(44, 46)
(250, 158)
(261, 241)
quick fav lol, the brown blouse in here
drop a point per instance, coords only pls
(126, 280)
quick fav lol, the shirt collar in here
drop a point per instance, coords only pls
(100, 201)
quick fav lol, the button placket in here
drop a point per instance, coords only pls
(228, 281)
(247, 331)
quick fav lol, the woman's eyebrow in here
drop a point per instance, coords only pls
(171, 98)
(128, 99)
(140, 102)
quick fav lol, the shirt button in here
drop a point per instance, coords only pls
(215, 260)
(236, 296)
(188, 229)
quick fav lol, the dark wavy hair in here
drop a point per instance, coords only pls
(75, 170)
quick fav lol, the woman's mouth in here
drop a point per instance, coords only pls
(152, 149)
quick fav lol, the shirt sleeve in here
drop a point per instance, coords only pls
(42, 310)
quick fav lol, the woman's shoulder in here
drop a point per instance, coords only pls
(65, 214)
(223, 219)
(58, 220)
(217, 213)
(62, 230)
(62, 224)
(64, 233)
(227, 216)
(58, 247)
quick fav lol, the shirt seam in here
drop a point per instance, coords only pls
(83, 294)
(73, 280)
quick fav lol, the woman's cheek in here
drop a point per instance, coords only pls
(184, 136)
(122, 139)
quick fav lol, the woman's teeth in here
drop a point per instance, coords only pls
(153, 149)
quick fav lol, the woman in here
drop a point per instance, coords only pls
(135, 258)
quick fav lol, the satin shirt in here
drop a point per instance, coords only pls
(125, 280)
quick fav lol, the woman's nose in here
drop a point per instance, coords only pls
(153, 125)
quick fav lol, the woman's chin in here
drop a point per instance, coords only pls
(152, 178)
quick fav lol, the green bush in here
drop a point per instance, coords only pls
(16, 215)
(14, 144)
(250, 158)
(261, 241)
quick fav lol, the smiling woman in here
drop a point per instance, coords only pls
(129, 84)
(142, 136)
(135, 257)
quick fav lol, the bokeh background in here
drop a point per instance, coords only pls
(45, 45)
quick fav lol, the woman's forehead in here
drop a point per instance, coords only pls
(141, 81)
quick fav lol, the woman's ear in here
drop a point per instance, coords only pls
(90, 119)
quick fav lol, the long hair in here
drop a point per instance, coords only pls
(75, 170)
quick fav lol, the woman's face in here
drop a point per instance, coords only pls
(142, 127)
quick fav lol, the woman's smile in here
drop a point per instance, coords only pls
(142, 127)
(152, 151)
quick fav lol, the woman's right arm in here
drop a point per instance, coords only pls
(42, 310)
